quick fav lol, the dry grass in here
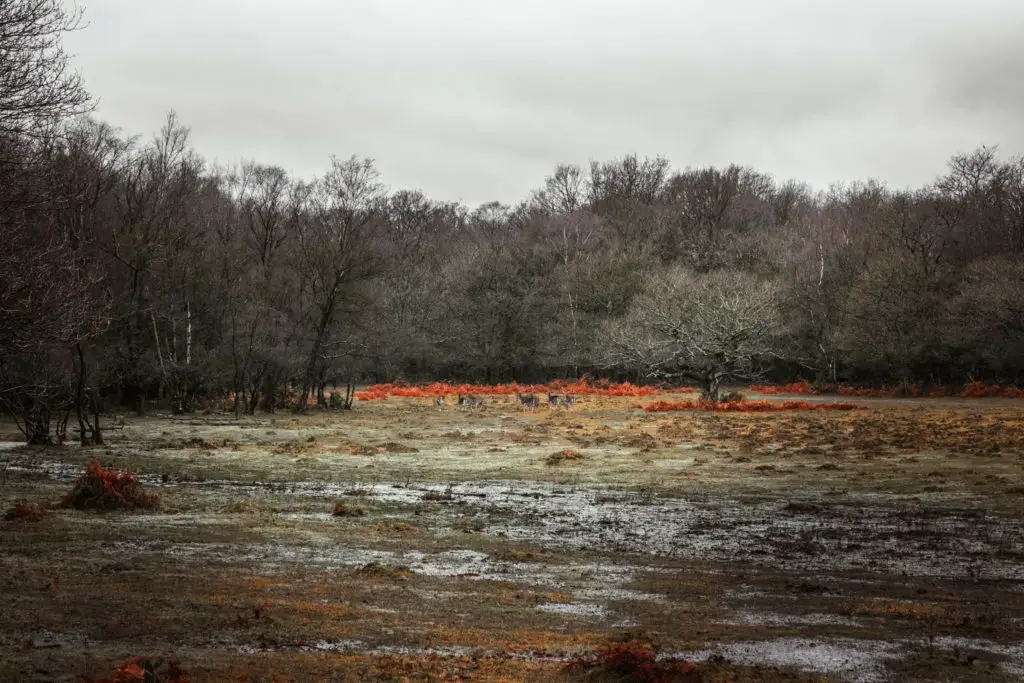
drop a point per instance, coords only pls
(910, 430)
(565, 455)
(25, 512)
(207, 580)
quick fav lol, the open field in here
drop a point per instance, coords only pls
(884, 543)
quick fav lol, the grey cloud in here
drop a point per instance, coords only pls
(478, 100)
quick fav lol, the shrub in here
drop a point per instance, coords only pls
(342, 509)
(632, 661)
(143, 670)
(107, 489)
(562, 456)
(25, 512)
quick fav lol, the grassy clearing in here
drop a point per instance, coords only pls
(403, 540)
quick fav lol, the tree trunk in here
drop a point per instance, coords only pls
(254, 401)
(80, 396)
(159, 355)
(140, 395)
(61, 430)
(188, 333)
(35, 422)
(97, 431)
(270, 392)
(310, 375)
(712, 387)
(89, 431)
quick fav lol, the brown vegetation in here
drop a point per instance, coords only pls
(142, 670)
(744, 406)
(25, 512)
(105, 489)
(566, 455)
(634, 661)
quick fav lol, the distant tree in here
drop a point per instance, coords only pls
(565, 190)
(38, 90)
(706, 212)
(337, 250)
(159, 184)
(710, 328)
(986, 319)
(257, 252)
(50, 298)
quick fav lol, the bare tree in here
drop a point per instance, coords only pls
(159, 183)
(49, 299)
(255, 254)
(37, 88)
(337, 249)
(710, 328)
(47, 307)
(565, 190)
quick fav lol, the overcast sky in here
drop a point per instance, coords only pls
(479, 99)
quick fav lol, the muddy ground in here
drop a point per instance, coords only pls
(495, 544)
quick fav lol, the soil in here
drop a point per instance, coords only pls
(882, 544)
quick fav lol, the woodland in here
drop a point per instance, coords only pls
(135, 274)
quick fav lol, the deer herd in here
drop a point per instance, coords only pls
(527, 401)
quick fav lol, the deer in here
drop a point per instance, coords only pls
(568, 401)
(528, 401)
(470, 401)
(439, 402)
(554, 400)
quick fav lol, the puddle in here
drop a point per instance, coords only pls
(874, 534)
(594, 581)
(777, 619)
(898, 539)
(583, 610)
(848, 659)
(363, 648)
(857, 661)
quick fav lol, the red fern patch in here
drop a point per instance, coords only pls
(800, 387)
(583, 387)
(906, 390)
(142, 670)
(25, 512)
(107, 489)
(633, 661)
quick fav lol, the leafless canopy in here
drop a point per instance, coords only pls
(37, 87)
(711, 328)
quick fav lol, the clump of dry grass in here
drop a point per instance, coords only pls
(25, 512)
(385, 571)
(203, 444)
(244, 506)
(439, 496)
(143, 670)
(634, 660)
(741, 406)
(394, 447)
(394, 528)
(342, 509)
(107, 489)
(563, 456)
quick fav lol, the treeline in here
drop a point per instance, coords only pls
(132, 271)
